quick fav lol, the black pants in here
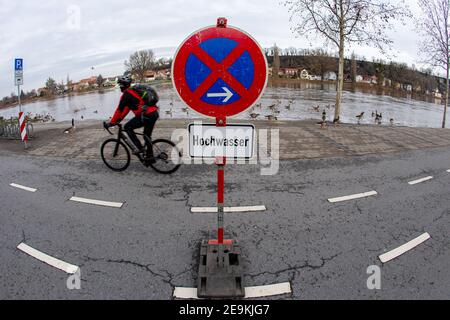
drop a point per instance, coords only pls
(148, 122)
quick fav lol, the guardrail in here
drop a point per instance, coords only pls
(12, 131)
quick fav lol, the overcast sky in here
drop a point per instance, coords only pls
(47, 35)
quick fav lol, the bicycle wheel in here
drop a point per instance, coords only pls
(167, 156)
(115, 155)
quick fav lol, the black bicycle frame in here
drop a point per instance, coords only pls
(122, 137)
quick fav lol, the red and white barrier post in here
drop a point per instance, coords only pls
(23, 128)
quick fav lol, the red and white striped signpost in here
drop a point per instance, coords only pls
(23, 128)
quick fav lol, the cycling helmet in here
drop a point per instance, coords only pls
(125, 81)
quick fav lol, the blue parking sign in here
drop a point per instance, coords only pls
(18, 65)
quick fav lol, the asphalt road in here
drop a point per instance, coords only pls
(151, 244)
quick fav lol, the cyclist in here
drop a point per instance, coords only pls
(145, 116)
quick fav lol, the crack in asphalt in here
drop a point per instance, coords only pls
(168, 278)
(358, 208)
(295, 268)
(24, 237)
(444, 214)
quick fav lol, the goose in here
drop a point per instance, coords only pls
(324, 119)
(317, 108)
(272, 107)
(378, 118)
(95, 111)
(254, 115)
(271, 117)
(391, 121)
(360, 116)
(71, 129)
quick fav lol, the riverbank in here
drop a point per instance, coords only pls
(72, 94)
(298, 139)
(56, 97)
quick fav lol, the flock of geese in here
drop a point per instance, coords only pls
(275, 109)
(378, 117)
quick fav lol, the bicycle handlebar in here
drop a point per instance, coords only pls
(106, 126)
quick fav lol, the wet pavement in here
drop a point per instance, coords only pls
(298, 139)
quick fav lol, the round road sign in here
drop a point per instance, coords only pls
(219, 71)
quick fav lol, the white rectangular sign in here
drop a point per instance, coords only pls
(18, 79)
(235, 141)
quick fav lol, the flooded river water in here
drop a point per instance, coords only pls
(291, 103)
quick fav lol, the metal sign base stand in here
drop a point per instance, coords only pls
(220, 269)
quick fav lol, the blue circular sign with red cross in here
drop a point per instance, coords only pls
(220, 71)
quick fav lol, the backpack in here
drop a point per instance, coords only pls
(147, 93)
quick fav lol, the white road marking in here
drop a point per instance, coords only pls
(404, 248)
(97, 202)
(185, 293)
(353, 197)
(64, 266)
(411, 183)
(267, 291)
(250, 292)
(23, 187)
(228, 209)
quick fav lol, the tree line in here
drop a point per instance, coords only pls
(320, 61)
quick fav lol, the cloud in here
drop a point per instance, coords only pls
(43, 33)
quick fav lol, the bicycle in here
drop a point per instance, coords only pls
(117, 156)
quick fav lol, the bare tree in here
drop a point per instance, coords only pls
(321, 62)
(292, 51)
(353, 69)
(435, 28)
(342, 22)
(276, 62)
(51, 86)
(140, 62)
